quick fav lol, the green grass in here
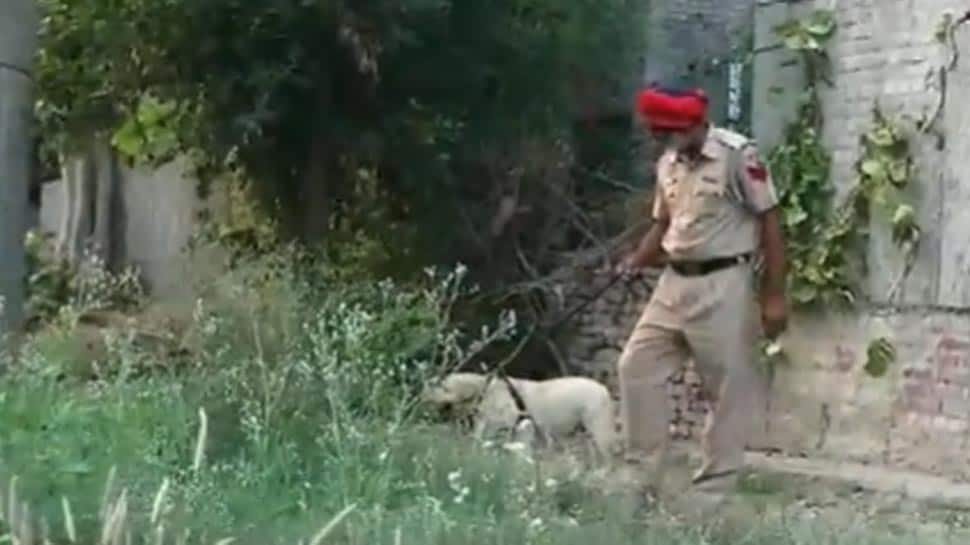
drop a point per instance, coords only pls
(293, 417)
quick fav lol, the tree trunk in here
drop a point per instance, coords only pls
(90, 177)
(315, 194)
(18, 42)
(106, 178)
(67, 167)
(78, 180)
(315, 191)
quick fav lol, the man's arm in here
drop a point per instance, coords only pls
(773, 248)
(649, 252)
(757, 189)
(762, 200)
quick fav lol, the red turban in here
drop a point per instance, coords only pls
(672, 109)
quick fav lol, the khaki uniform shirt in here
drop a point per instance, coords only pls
(714, 202)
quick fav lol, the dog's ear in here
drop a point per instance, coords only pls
(435, 391)
(436, 382)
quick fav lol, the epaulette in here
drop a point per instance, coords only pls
(730, 138)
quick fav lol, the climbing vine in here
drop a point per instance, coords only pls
(885, 171)
(826, 235)
(817, 237)
(945, 34)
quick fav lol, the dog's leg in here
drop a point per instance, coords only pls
(600, 427)
(525, 432)
(480, 427)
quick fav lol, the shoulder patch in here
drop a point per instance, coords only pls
(730, 138)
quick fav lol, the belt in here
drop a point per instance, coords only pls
(700, 268)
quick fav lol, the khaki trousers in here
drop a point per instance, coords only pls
(714, 319)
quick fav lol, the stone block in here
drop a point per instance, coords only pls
(18, 32)
(953, 220)
(158, 215)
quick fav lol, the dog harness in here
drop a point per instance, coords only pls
(520, 406)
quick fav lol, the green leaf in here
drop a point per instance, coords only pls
(127, 139)
(873, 168)
(882, 137)
(899, 172)
(796, 216)
(879, 196)
(797, 42)
(821, 24)
(905, 214)
(879, 356)
(804, 294)
(787, 28)
(905, 230)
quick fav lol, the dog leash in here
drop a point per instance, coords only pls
(520, 405)
(498, 371)
(517, 398)
(549, 328)
(582, 306)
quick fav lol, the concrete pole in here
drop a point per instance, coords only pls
(18, 42)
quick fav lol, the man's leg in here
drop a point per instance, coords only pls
(651, 355)
(723, 343)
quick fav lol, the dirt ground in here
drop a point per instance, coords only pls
(782, 490)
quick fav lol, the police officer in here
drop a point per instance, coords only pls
(714, 210)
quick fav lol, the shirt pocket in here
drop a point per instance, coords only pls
(709, 186)
(708, 195)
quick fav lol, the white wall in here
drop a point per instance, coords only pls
(919, 416)
(157, 214)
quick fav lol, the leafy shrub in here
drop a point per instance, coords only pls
(54, 285)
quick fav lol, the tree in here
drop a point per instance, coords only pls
(434, 131)
(18, 23)
(313, 98)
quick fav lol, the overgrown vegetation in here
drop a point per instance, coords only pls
(291, 417)
(827, 233)
(815, 234)
(54, 285)
(287, 393)
(351, 117)
(307, 386)
(352, 123)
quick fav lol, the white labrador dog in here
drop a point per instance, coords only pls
(558, 406)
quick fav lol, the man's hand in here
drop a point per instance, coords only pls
(628, 268)
(774, 314)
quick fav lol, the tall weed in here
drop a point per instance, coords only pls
(307, 382)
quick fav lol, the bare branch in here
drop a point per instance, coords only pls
(618, 184)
